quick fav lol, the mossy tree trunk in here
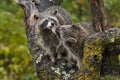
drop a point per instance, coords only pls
(110, 63)
(93, 49)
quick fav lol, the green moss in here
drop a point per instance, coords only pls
(92, 56)
(109, 77)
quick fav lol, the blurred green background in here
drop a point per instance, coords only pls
(15, 59)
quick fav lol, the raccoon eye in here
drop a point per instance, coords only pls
(52, 24)
(44, 24)
(71, 41)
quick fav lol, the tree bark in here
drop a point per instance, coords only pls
(101, 23)
(93, 49)
(100, 20)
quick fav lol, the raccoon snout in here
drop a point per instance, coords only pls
(49, 25)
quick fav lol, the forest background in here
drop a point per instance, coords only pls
(15, 59)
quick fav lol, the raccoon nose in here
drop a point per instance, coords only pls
(52, 24)
(49, 25)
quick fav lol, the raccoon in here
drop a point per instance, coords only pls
(71, 38)
(44, 37)
(58, 14)
(42, 5)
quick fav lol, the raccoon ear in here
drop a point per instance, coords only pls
(55, 11)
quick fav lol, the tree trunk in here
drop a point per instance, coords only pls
(101, 23)
(93, 49)
(100, 20)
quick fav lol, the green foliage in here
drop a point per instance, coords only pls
(79, 12)
(15, 60)
(112, 7)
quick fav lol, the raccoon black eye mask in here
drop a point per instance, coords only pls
(48, 23)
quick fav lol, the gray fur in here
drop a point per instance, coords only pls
(44, 37)
(71, 38)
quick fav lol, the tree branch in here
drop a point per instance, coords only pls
(100, 20)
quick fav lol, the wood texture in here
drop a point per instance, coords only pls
(100, 19)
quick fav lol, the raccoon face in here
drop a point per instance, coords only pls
(49, 23)
(68, 34)
(48, 19)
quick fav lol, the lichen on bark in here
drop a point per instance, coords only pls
(93, 49)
